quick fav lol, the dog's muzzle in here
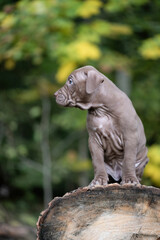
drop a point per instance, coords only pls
(61, 97)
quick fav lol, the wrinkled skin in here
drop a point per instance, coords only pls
(117, 141)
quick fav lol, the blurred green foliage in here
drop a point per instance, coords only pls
(41, 42)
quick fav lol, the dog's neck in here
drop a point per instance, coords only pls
(88, 105)
(99, 111)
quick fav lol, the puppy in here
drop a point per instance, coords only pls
(117, 140)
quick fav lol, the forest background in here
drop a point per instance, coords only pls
(43, 147)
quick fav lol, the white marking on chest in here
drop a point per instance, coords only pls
(99, 127)
(137, 164)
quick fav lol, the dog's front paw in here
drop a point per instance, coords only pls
(98, 181)
(130, 180)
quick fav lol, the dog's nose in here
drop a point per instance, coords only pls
(55, 94)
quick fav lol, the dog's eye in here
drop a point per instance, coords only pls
(70, 81)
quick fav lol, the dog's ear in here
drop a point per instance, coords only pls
(94, 79)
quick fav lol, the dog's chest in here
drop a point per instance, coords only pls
(105, 131)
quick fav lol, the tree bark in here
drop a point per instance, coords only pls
(114, 212)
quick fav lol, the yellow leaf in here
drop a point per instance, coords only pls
(88, 50)
(152, 170)
(89, 8)
(117, 29)
(154, 154)
(150, 48)
(9, 64)
(149, 170)
(8, 21)
(38, 7)
(110, 29)
(64, 71)
(83, 50)
(156, 176)
(151, 53)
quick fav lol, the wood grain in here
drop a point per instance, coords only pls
(114, 212)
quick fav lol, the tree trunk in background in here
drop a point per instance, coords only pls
(46, 156)
(18, 232)
(83, 155)
(123, 81)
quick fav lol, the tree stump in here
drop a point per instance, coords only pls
(113, 212)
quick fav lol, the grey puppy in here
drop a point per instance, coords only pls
(117, 140)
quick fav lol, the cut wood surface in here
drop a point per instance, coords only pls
(113, 212)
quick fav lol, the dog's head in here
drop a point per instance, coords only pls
(78, 89)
